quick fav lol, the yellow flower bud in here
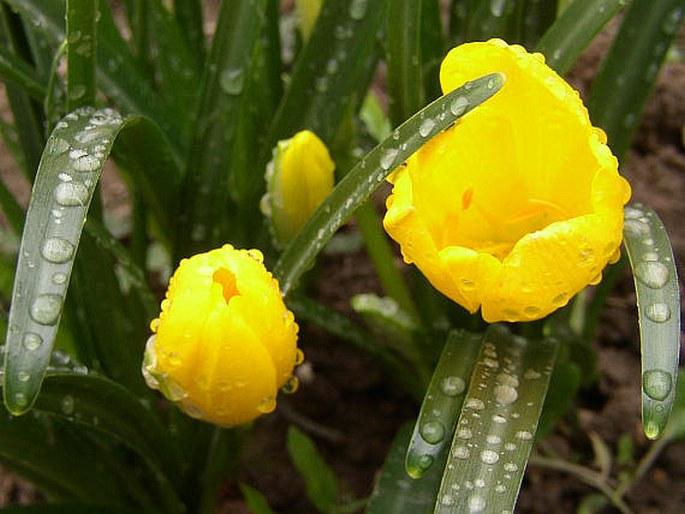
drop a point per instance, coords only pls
(224, 342)
(519, 205)
(309, 12)
(298, 180)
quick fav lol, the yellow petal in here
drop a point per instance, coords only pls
(225, 342)
(519, 205)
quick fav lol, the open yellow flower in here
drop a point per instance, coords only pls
(224, 342)
(298, 180)
(519, 205)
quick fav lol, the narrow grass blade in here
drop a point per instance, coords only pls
(191, 22)
(256, 501)
(397, 493)
(570, 34)
(370, 172)
(534, 18)
(492, 18)
(21, 74)
(403, 55)
(442, 402)
(432, 47)
(11, 209)
(497, 424)
(204, 209)
(329, 70)
(658, 299)
(66, 179)
(625, 80)
(320, 483)
(82, 16)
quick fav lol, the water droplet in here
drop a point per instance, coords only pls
(510, 447)
(86, 163)
(652, 274)
(447, 500)
(68, 405)
(46, 309)
(70, 194)
(493, 439)
(498, 418)
(388, 158)
(57, 146)
(452, 386)
(475, 404)
(77, 91)
(59, 279)
(672, 21)
(489, 456)
(560, 299)
(268, 404)
(511, 467)
(291, 385)
(23, 376)
(231, 81)
(464, 433)
(32, 341)
(20, 399)
(433, 432)
(321, 84)
(476, 504)
(500, 488)
(658, 312)
(657, 384)
(532, 374)
(426, 127)
(424, 462)
(505, 394)
(636, 226)
(57, 250)
(459, 105)
(524, 435)
(462, 453)
(532, 311)
(357, 9)
(652, 430)
(490, 363)
(497, 7)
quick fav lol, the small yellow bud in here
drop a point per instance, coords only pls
(298, 179)
(309, 12)
(224, 342)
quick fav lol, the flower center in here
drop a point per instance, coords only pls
(226, 279)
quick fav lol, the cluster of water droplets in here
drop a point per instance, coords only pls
(491, 435)
(73, 158)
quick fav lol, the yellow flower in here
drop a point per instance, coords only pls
(224, 342)
(518, 206)
(298, 180)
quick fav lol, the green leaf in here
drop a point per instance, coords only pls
(204, 209)
(21, 74)
(397, 493)
(570, 34)
(369, 173)
(658, 299)
(256, 501)
(403, 55)
(320, 483)
(497, 424)
(82, 18)
(442, 402)
(190, 20)
(329, 70)
(629, 71)
(675, 430)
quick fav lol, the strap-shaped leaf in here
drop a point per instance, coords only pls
(398, 493)
(629, 71)
(442, 402)
(67, 176)
(81, 52)
(329, 70)
(19, 72)
(497, 424)
(568, 36)
(370, 172)
(658, 299)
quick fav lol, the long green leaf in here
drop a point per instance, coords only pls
(329, 70)
(190, 20)
(497, 424)
(403, 51)
(625, 80)
(658, 299)
(370, 172)
(397, 493)
(442, 402)
(21, 74)
(82, 18)
(570, 34)
(204, 209)
(68, 174)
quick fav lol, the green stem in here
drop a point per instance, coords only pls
(382, 257)
(586, 475)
